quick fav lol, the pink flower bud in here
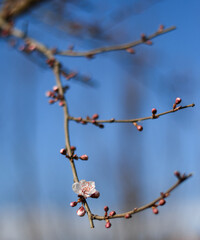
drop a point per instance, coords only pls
(73, 148)
(79, 119)
(149, 42)
(84, 157)
(55, 88)
(130, 50)
(81, 211)
(161, 28)
(154, 110)
(73, 204)
(63, 151)
(177, 174)
(106, 208)
(178, 100)
(95, 195)
(51, 101)
(108, 225)
(143, 37)
(61, 103)
(155, 210)
(127, 216)
(139, 128)
(32, 47)
(48, 94)
(95, 116)
(162, 202)
(112, 213)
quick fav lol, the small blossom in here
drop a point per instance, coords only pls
(84, 188)
(81, 211)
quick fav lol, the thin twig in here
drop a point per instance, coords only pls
(149, 205)
(93, 52)
(56, 69)
(112, 120)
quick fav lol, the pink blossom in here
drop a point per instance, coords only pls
(84, 188)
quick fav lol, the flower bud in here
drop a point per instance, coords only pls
(155, 210)
(106, 208)
(81, 211)
(127, 216)
(139, 128)
(162, 202)
(108, 225)
(84, 157)
(143, 37)
(177, 174)
(149, 42)
(61, 103)
(130, 50)
(95, 116)
(112, 213)
(178, 100)
(161, 28)
(73, 148)
(55, 88)
(95, 195)
(154, 110)
(51, 101)
(73, 204)
(63, 151)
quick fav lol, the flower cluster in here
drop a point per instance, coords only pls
(84, 189)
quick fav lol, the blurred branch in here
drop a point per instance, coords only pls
(126, 46)
(13, 8)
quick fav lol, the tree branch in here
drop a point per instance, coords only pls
(126, 46)
(112, 120)
(149, 205)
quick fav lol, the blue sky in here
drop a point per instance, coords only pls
(34, 173)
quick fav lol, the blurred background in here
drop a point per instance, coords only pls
(130, 168)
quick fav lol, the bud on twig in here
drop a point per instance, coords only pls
(161, 202)
(81, 211)
(128, 216)
(108, 224)
(112, 213)
(95, 195)
(73, 204)
(155, 210)
(63, 151)
(84, 157)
